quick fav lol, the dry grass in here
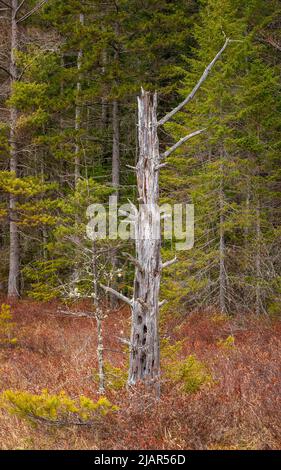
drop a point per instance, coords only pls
(241, 410)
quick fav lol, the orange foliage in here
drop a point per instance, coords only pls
(241, 410)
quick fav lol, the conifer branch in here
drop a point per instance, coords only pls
(131, 167)
(20, 5)
(170, 262)
(133, 260)
(272, 42)
(196, 88)
(162, 165)
(117, 294)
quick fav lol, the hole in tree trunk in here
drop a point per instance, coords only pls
(143, 362)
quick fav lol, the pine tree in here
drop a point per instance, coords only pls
(220, 176)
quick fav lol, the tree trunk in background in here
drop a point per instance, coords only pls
(115, 164)
(104, 110)
(77, 125)
(222, 274)
(144, 354)
(13, 282)
(115, 146)
(258, 261)
(78, 112)
(115, 176)
(116, 125)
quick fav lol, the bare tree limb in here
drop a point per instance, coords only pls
(196, 88)
(165, 216)
(133, 260)
(163, 302)
(131, 167)
(272, 42)
(6, 4)
(170, 262)
(77, 314)
(20, 5)
(124, 340)
(7, 71)
(117, 294)
(132, 217)
(162, 165)
(33, 10)
(180, 142)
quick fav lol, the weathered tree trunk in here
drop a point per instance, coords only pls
(13, 282)
(144, 356)
(144, 342)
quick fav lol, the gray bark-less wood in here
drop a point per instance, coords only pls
(144, 355)
(144, 341)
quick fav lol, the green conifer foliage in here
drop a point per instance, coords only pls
(228, 172)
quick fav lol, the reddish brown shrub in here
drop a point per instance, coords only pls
(241, 410)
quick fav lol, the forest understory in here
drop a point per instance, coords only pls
(239, 408)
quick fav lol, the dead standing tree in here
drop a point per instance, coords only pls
(144, 342)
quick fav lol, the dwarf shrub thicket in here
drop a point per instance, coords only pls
(115, 377)
(6, 326)
(227, 343)
(193, 374)
(57, 409)
(190, 373)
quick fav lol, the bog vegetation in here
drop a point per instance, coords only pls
(71, 136)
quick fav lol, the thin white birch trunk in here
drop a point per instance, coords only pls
(99, 319)
(258, 260)
(13, 282)
(222, 271)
